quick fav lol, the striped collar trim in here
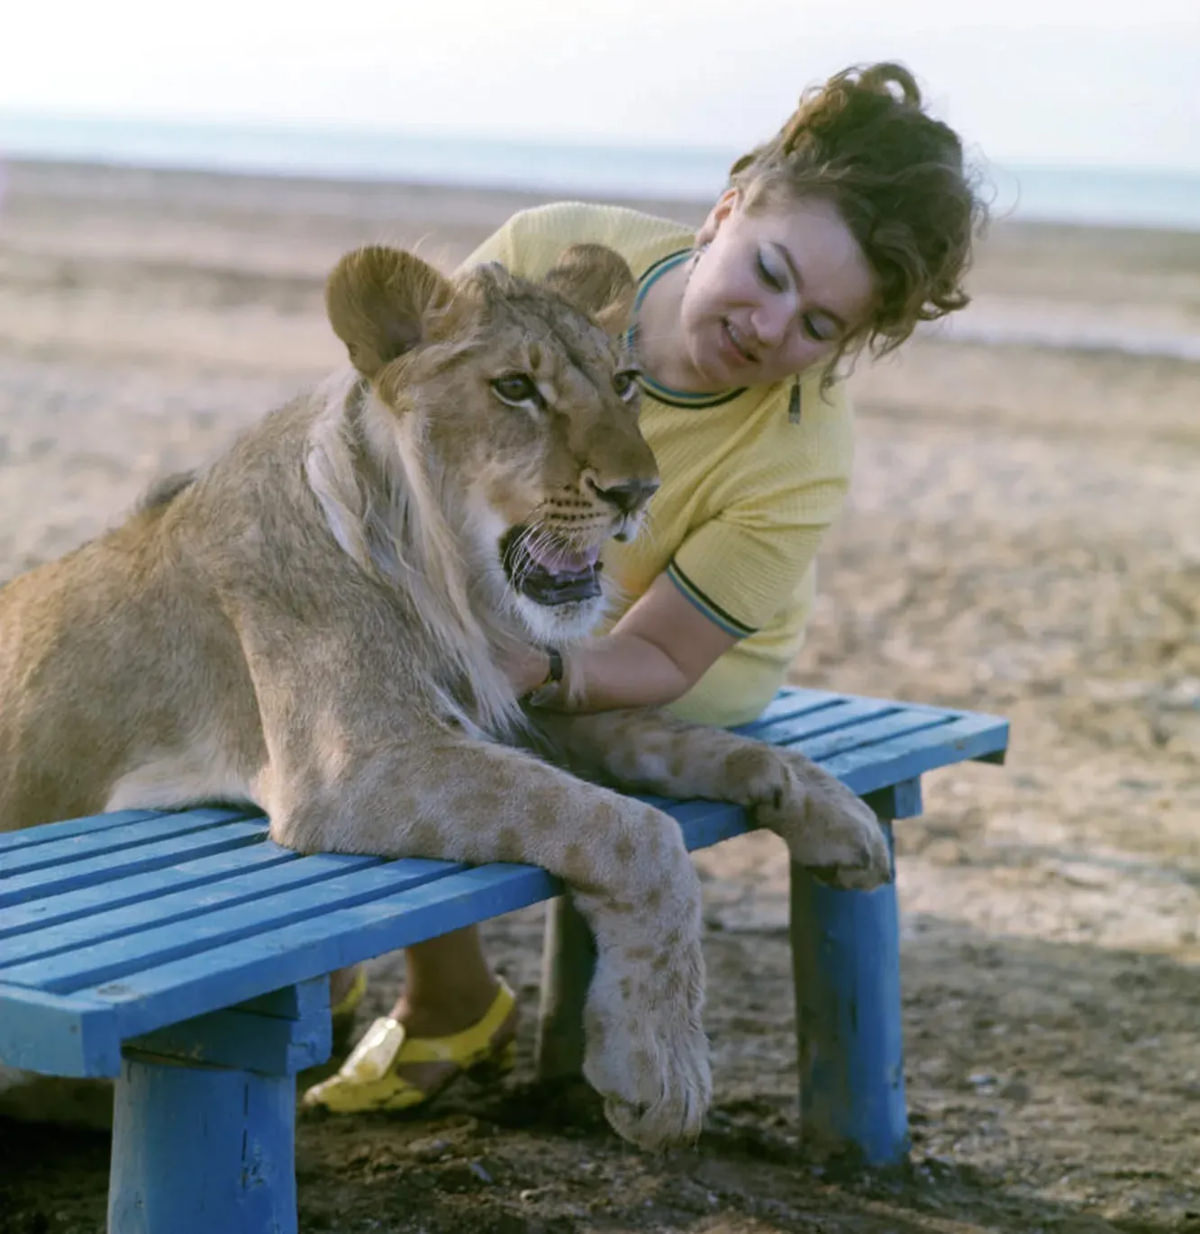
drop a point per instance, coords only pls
(664, 394)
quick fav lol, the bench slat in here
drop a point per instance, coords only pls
(907, 755)
(105, 941)
(179, 910)
(312, 946)
(112, 961)
(133, 859)
(74, 1036)
(705, 823)
(85, 846)
(789, 703)
(38, 914)
(869, 734)
(49, 833)
(992, 731)
(844, 716)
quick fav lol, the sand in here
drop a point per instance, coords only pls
(1023, 537)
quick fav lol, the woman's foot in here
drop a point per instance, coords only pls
(408, 1058)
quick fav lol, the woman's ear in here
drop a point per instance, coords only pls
(724, 207)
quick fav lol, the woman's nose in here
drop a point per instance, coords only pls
(772, 319)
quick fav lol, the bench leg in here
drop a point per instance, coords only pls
(202, 1149)
(846, 960)
(568, 957)
(204, 1116)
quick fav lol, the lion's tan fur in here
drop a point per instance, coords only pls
(316, 623)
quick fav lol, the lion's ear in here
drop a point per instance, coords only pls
(597, 280)
(381, 302)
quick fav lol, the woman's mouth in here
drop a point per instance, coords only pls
(735, 344)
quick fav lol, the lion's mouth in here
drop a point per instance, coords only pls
(547, 570)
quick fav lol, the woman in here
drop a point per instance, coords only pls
(840, 233)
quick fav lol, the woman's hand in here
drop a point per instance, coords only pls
(526, 668)
(653, 656)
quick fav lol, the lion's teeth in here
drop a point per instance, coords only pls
(557, 559)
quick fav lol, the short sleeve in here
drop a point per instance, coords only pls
(742, 567)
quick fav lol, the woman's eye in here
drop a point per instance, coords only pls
(768, 275)
(518, 388)
(817, 328)
(625, 384)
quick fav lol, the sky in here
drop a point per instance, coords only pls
(1087, 83)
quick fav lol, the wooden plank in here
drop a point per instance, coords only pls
(705, 823)
(201, 1150)
(112, 960)
(896, 801)
(128, 861)
(846, 960)
(787, 704)
(909, 755)
(76, 1036)
(782, 704)
(838, 717)
(236, 1037)
(293, 1002)
(175, 908)
(868, 734)
(54, 910)
(48, 833)
(312, 946)
(101, 840)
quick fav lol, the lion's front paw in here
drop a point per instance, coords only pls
(829, 830)
(647, 1055)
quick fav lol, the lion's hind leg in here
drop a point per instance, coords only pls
(645, 1049)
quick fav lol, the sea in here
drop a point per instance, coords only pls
(1105, 196)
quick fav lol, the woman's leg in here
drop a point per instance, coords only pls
(454, 1016)
(448, 985)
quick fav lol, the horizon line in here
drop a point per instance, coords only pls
(278, 126)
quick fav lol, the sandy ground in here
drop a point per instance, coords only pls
(1023, 537)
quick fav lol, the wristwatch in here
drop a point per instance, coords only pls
(554, 673)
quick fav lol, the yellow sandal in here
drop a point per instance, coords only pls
(371, 1079)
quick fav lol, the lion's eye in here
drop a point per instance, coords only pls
(518, 389)
(625, 383)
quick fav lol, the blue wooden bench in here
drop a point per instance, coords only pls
(184, 954)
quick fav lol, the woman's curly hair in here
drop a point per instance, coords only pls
(863, 142)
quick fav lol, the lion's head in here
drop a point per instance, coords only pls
(500, 416)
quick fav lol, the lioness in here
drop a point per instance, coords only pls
(315, 623)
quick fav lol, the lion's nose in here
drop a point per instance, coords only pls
(627, 497)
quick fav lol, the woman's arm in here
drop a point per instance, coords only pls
(658, 650)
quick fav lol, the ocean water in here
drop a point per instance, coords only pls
(1095, 196)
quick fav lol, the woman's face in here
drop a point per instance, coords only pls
(774, 291)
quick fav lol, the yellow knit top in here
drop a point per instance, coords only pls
(747, 488)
